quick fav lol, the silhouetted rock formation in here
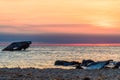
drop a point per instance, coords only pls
(66, 63)
(89, 64)
(97, 65)
(17, 46)
(86, 62)
(117, 65)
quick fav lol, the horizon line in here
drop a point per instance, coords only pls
(66, 44)
(80, 44)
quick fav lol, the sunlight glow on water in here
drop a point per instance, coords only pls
(45, 56)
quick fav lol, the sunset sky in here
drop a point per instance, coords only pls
(69, 17)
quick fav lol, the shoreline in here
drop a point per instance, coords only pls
(58, 74)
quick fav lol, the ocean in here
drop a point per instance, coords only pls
(45, 56)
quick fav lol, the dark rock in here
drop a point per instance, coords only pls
(65, 63)
(86, 62)
(111, 64)
(117, 65)
(86, 78)
(97, 65)
(75, 63)
(17, 46)
(78, 67)
(90, 64)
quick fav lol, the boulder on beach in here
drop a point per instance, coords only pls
(96, 65)
(117, 65)
(86, 62)
(18, 46)
(66, 63)
(90, 64)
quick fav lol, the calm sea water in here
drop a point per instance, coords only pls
(45, 56)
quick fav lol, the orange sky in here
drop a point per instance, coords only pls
(60, 16)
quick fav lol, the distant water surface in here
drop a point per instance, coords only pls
(45, 56)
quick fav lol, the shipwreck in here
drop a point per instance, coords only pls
(18, 46)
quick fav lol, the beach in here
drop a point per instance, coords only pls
(37, 63)
(45, 56)
(59, 40)
(58, 74)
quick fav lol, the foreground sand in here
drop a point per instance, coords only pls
(58, 74)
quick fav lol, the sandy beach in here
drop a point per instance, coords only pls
(17, 65)
(58, 74)
(59, 39)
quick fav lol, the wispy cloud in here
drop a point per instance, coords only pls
(7, 26)
(11, 29)
(57, 28)
(57, 25)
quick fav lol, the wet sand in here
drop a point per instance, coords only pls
(58, 74)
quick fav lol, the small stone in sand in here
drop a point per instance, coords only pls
(86, 78)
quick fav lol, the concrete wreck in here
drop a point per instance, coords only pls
(18, 46)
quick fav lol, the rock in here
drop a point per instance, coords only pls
(78, 67)
(65, 63)
(117, 65)
(18, 46)
(84, 63)
(86, 78)
(111, 64)
(96, 65)
(90, 64)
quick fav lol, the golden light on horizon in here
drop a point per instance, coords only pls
(104, 23)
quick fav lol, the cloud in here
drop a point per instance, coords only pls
(12, 29)
(62, 38)
(42, 28)
(57, 25)
(6, 26)
(37, 29)
(57, 28)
